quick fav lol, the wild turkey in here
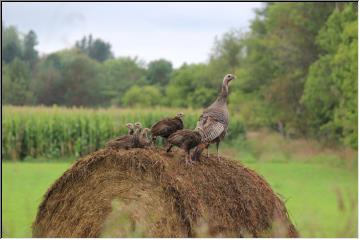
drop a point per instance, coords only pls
(214, 120)
(167, 126)
(137, 127)
(130, 127)
(185, 139)
(123, 142)
(143, 140)
(127, 141)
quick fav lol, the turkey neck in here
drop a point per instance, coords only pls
(179, 119)
(222, 98)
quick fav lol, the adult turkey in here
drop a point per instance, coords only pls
(214, 120)
(167, 126)
(185, 139)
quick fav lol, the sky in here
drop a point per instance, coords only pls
(179, 32)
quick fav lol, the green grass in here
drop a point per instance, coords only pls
(23, 187)
(309, 191)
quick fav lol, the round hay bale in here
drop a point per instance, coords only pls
(148, 192)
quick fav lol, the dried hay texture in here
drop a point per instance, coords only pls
(162, 197)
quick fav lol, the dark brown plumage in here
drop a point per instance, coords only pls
(214, 120)
(123, 142)
(185, 139)
(138, 139)
(167, 126)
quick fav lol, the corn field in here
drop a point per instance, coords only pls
(54, 132)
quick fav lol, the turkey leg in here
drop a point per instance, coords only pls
(169, 148)
(217, 149)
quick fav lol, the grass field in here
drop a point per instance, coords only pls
(23, 187)
(318, 197)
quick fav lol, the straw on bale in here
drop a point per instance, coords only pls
(160, 197)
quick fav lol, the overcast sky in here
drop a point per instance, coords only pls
(179, 32)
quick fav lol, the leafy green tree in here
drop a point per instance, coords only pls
(258, 63)
(81, 80)
(96, 49)
(185, 81)
(228, 52)
(159, 72)
(48, 83)
(330, 93)
(15, 85)
(280, 48)
(146, 96)
(68, 78)
(100, 51)
(119, 75)
(30, 54)
(201, 97)
(11, 44)
(17, 72)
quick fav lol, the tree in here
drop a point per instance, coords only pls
(81, 80)
(119, 75)
(142, 97)
(96, 49)
(201, 97)
(48, 83)
(30, 54)
(15, 88)
(228, 51)
(11, 44)
(330, 94)
(100, 51)
(186, 81)
(279, 50)
(68, 78)
(159, 72)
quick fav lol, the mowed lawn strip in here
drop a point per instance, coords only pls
(309, 191)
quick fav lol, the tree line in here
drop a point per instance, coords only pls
(296, 69)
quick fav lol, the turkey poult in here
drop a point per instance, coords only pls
(123, 142)
(164, 128)
(214, 120)
(130, 127)
(185, 139)
(143, 140)
(137, 140)
(137, 127)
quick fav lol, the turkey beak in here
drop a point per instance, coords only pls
(232, 79)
